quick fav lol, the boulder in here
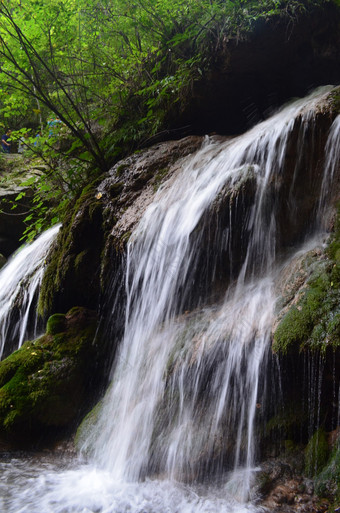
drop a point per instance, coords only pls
(49, 382)
(85, 261)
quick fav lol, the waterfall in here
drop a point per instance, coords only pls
(20, 280)
(332, 152)
(185, 390)
(176, 429)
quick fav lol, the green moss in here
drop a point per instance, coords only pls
(316, 453)
(75, 311)
(314, 322)
(87, 425)
(294, 328)
(57, 265)
(286, 422)
(125, 237)
(327, 483)
(56, 324)
(159, 177)
(116, 189)
(94, 208)
(80, 258)
(121, 168)
(335, 99)
(81, 233)
(89, 189)
(334, 246)
(45, 384)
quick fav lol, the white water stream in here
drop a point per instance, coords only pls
(20, 280)
(187, 385)
(332, 152)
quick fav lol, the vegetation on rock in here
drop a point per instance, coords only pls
(115, 75)
(73, 266)
(314, 321)
(309, 332)
(45, 385)
(316, 453)
(327, 482)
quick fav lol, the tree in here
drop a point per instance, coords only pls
(112, 70)
(31, 64)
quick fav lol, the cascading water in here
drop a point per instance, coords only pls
(332, 152)
(202, 412)
(186, 385)
(19, 282)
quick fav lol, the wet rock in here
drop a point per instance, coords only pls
(135, 180)
(91, 244)
(49, 382)
(292, 281)
(73, 264)
(93, 239)
(3, 260)
(57, 323)
(306, 333)
(284, 490)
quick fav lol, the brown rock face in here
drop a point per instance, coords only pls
(86, 259)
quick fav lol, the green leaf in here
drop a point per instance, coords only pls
(20, 195)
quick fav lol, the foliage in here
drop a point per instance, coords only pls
(87, 62)
(110, 71)
(58, 175)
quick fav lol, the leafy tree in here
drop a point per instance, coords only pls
(32, 60)
(110, 70)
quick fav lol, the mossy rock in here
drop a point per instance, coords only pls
(286, 422)
(3, 260)
(335, 100)
(327, 483)
(316, 453)
(294, 328)
(313, 321)
(56, 324)
(86, 427)
(72, 273)
(116, 189)
(46, 385)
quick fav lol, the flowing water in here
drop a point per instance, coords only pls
(332, 152)
(20, 280)
(176, 432)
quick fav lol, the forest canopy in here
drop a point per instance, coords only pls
(109, 70)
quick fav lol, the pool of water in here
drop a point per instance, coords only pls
(62, 484)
